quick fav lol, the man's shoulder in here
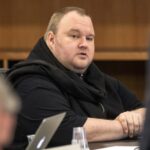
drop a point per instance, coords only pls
(109, 78)
(111, 81)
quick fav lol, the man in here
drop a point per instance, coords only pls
(59, 76)
(8, 109)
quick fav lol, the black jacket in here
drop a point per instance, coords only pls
(46, 88)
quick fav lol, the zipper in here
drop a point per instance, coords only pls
(102, 107)
(81, 76)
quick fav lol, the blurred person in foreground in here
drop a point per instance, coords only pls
(60, 76)
(9, 106)
(145, 138)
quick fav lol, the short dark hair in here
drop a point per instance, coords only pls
(57, 16)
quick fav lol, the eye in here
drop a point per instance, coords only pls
(74, 36)
(89, 38)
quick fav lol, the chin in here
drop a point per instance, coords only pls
(80, 66)
(80, 69)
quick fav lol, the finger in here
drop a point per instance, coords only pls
(130, 124)
(141, 120)
(136, 120)
(122, 120)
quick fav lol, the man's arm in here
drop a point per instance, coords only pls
(129, 123)
(103, 130)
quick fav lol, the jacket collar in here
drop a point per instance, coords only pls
(93, 76)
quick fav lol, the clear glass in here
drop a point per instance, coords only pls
(30, 137)
(79, 137)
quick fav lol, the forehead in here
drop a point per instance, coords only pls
(73, 20)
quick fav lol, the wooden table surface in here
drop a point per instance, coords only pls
(127, 142)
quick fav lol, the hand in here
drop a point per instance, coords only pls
(131, 122)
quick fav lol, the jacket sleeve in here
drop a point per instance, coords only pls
(42, 98)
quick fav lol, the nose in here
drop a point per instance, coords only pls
(83, 43)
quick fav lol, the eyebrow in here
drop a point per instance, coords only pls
(78, 31)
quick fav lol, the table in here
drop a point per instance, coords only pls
(126, 142)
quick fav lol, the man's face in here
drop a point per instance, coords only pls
(73, 44)
(7, 124)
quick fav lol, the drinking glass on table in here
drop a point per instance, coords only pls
(79, 137)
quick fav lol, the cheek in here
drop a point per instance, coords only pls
(7, 123)
(66, 51)
(92, 51)
(68, 54)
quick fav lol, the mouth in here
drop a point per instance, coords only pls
(82, 55)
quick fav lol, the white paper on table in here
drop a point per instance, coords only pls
(119, 148)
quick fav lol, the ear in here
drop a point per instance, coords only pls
(50, 39)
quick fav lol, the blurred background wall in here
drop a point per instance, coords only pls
(122, 30)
